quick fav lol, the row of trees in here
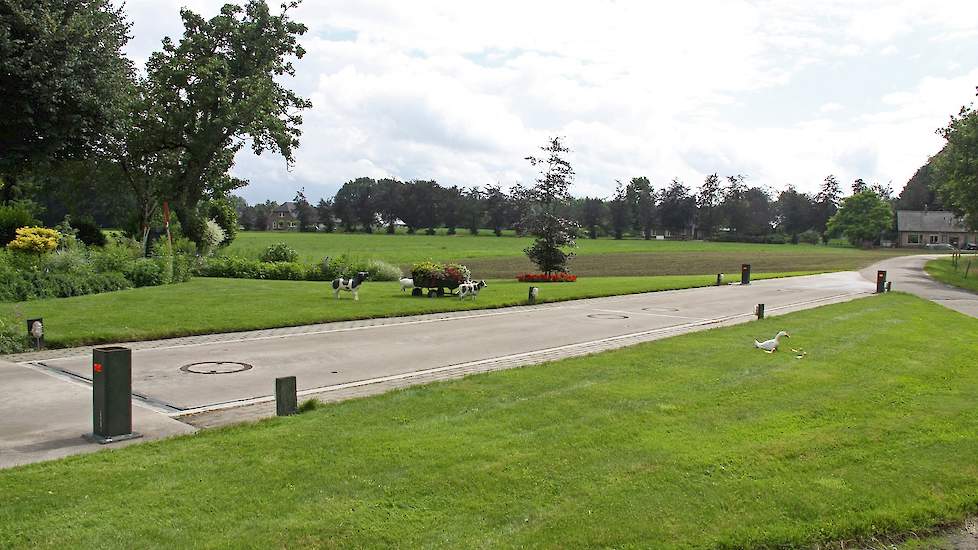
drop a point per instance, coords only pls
(727, 207)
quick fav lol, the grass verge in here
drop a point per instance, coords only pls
(212, 305)
(943, 270)
(694, 441)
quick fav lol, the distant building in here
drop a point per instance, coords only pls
(285, 217)
(922, 227)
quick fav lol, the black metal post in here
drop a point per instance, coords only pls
(111, 395)
(286, 398)
(880, 281)
(889, 286)
(719, 278)
(745, 274)
(759, 310)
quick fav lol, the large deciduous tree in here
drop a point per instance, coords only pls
(677, 207)
(861, 218)
(63, 80)
(592, 215)
(957, 165)
(619, 212)
(218, 88)
(497, 209)
(708, 199)
(545, 199)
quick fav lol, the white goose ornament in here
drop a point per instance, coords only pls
(771, 346)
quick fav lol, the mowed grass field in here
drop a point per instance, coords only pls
(500, 257)
(944, 271)
(212, 305)
(697, 441)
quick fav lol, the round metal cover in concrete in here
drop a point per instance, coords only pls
(216, 367)
(607, 316)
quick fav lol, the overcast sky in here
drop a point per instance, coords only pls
(782, 92)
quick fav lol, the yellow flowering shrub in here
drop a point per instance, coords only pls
(34, 240)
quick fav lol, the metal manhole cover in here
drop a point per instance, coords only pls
(660, 309)
(216, 367)
(607, 316)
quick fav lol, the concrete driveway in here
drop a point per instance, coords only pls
(908, 275)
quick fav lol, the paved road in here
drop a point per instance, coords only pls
(908, 275)
(335, 356)
(341, 360)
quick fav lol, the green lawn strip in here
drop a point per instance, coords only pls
(694, 441)
(212, 305)
(405, 249)
(943, 270)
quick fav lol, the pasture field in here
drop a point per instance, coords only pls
(690, 442)
(943, 270)
(500, 257)
(213, 305)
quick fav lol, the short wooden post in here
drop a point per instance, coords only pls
(286, 398)
(880, 282)
(759, 310)
(967, 269)
(745, 274)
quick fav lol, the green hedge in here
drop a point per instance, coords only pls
(235, 267)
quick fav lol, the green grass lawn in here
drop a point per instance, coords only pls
(210, 305)
(507, 252)
(943, 270)
(694, 441)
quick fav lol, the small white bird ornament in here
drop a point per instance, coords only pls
(771, 346)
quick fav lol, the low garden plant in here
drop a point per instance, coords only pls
(430, 274)
(235, 267)
(546, 278)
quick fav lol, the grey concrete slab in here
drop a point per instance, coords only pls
(43, 417)
(331, 357)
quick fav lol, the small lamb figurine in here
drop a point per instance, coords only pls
(407, 283)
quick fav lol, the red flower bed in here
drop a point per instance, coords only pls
(545, 278)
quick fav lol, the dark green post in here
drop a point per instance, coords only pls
(745, 274)
(286, 399)
(759, 310)
(111, 395)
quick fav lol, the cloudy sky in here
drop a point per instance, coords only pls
(782, 92)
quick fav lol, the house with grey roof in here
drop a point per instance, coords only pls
(918, 228)
(285, 217)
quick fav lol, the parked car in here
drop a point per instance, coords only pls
(971, 246)
(939, 246)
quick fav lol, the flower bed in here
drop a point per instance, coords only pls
(546, 278)
(434, 275)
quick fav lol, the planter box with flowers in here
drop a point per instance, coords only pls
(546, 278)
(438, 277)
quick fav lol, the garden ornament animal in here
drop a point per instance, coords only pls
(771, 346)
(470, 289)
(406, 283)
(350, 285)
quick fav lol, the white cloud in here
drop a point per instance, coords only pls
(463, 92)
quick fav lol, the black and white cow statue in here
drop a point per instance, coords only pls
(350, 285)
(470, 289)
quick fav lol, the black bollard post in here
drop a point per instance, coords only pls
(35, 330)
(719, 279)
(111, 395)
(745, 274)
(889, 286)
(759, 311)
(286, 398)
(880, 282)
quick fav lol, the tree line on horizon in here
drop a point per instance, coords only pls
(722, 208)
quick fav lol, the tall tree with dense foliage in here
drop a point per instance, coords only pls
(218, 88)
(305, 212)
(497, 209)
(795, 211)
(736, 210)
(677, 207)
(386, 198)
(451, 208)
(708, 199)
(920, 193)
(545, 199)
(619, 212)
(957, 165)
(472, 210)
(826, 205)
(646, 211)
(355, 205)
(324, 211)
(592, 215)
(63, 78)
(861, 218)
